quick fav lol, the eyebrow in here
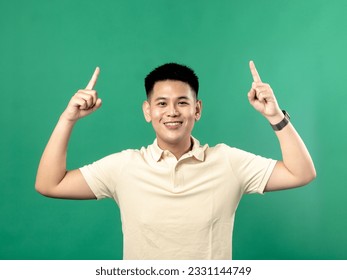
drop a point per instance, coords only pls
(165, 98)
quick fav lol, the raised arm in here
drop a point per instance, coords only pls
(296, 168)
(52, 178)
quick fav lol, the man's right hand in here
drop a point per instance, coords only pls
(84, 102)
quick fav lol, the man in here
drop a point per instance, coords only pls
(177, 198)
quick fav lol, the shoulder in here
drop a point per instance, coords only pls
(124, 154)
(120, 157)
(234, 156)
(227, 150)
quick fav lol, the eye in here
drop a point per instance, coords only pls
(161, 104)
(183, 103)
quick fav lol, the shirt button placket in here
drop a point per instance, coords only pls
(176, 172)
(172, 162)
(174, 178)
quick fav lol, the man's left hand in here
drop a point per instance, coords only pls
(262, 98)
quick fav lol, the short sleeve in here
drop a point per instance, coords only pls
(101, 175)
(252, 171)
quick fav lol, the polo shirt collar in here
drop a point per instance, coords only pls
(197, 151)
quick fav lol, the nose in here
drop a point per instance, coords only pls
(172, 111)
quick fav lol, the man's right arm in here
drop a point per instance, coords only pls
(53, 179)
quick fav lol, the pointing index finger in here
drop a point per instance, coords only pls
(94, 78)
(255, 74)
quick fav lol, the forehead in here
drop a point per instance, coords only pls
(172, 89)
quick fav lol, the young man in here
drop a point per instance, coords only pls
(177, 198)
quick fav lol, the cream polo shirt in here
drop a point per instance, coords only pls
(178, 209)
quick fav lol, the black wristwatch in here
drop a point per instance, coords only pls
(282, 123)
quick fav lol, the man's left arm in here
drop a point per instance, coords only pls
(296, 168)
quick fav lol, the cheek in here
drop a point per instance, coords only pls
(156, 114)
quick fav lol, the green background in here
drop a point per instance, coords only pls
(49, 50)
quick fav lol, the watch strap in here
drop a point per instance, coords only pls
(279, 126)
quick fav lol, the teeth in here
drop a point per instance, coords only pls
(172, 123)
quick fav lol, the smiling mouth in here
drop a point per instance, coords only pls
(173, 124)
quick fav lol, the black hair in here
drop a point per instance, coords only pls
(172, 71)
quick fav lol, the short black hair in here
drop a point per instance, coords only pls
(172, 71)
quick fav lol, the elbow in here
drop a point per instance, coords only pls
(313, 173)
(41, 188)
(310, 176)
(39, 185)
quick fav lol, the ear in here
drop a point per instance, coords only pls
(146, 111)
(198, 109)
